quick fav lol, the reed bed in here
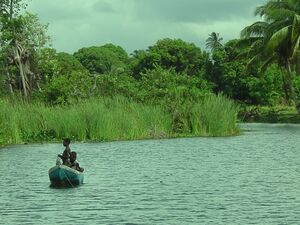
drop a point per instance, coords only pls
(110, 119)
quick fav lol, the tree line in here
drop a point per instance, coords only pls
(262, 67)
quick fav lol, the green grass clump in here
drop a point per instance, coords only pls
(218, 116)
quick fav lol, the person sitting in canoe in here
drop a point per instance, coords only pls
(66, 154)
(73, 162)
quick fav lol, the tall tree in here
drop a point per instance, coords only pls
(21, 37)
(104, 59)
(213, 42)
(169, 53)
(276, 38)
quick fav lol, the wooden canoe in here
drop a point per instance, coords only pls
(62, 175)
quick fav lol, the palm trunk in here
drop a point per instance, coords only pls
(11, 9)
(298, 63)
(289, 83)
(284, 85)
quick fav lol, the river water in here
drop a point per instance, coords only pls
(249, 179)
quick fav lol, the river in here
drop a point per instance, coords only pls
(249, 179)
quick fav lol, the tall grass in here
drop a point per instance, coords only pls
(98, 120)
(218, 116)
(110, 119)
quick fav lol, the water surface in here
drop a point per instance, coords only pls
(250, 179)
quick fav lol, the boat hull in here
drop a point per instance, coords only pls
(65, 176)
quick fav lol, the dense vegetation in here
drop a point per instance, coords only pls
(170, 89)
(114, 119)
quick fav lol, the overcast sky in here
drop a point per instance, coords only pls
(137, 24)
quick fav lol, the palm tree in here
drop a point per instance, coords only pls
(213, 42)
(276, 38)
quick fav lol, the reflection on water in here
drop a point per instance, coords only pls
(250, 179)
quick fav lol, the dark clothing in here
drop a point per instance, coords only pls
(69, 159)
(73, 163)
(66, 156)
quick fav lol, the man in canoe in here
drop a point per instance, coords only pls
(66, 154)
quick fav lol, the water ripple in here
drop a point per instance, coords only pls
(249, 179)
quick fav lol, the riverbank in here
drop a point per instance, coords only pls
(269, 114)
(114, 119)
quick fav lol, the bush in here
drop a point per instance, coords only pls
(115, 85)
(160, 84)
(64, 89)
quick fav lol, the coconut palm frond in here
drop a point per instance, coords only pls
(271, 5)
(243, 54)
(267, 62)
(293, 4)
(246, 42)
(250, 47)
(296, 27)
(275, 26)
(279, 15)
(296, 49)
(278, 38)
(253, 61)
(257, 47)
(257, 29)
(260, 10)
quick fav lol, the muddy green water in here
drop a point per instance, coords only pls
(250, 179)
